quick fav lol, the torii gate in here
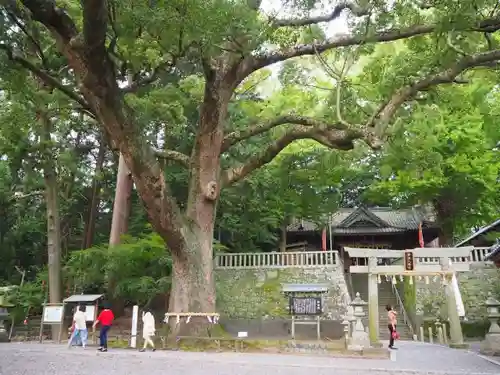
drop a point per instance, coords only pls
(413, 267)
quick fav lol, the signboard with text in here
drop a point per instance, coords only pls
(409, 261)
(306, 306)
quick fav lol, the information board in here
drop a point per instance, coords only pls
(89, 313)
(306, 306)
(52, 314)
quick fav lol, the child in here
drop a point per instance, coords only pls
(106, 318)
(79, 327)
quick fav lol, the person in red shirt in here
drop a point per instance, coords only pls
(106, 318)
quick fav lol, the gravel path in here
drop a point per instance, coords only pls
(412, 358)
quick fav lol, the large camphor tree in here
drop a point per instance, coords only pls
(117, 49)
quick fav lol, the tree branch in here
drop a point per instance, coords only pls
(96, 75)
(253, 63)
(354, 8)
(53, 17)
(323, 133)
(261, 60)
(45, 77)
(149, 79)
(240, 135)
(95, 26)
(175, 156)
(381, 118)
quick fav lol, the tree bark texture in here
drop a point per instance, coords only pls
(121, 205)
(53, 218)
(445, 212)
(193, 285)
(95, 198)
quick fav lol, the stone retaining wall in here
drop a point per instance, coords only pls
(474, 287)
(256, 293)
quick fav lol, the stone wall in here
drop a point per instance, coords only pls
(256, 293)
(474, 287)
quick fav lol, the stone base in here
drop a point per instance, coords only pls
(459, 346)
(377, 344)
(4, 337)
(491, 345)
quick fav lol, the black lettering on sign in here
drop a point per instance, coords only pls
(305, 305)
(409, 261)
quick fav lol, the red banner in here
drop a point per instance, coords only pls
(420, 236)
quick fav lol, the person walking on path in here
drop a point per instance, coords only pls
(106, 318)
(391, 324)
(148, 330)
(79, 327)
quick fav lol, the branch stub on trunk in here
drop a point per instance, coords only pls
(211, 191)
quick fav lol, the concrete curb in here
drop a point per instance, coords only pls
(489, 359)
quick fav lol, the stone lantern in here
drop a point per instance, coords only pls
(360, 339)
(491, 344)
(493, 313)
(4, 315)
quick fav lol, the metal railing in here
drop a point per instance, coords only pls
(277, 259)
(402, 310)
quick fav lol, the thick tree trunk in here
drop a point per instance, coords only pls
(95, 198)
(121, 206)
(445, 211)
(193, 286)
(53, 219)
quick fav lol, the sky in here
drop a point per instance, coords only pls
(277, 8)
(339, 26)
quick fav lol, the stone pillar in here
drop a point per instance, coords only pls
(373, 314)
(456, 336)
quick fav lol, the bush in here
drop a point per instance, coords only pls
(136, 271)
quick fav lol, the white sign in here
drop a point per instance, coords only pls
(242, 335)
(52, 314)
(89, 313)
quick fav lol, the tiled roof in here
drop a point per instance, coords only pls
(492, 227)
(369, 220)
(495, 251)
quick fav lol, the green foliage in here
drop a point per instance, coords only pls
(444, 156)
(410, 297)
(136, 271)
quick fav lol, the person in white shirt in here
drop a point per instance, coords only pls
(148, 330)
(80, 326)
